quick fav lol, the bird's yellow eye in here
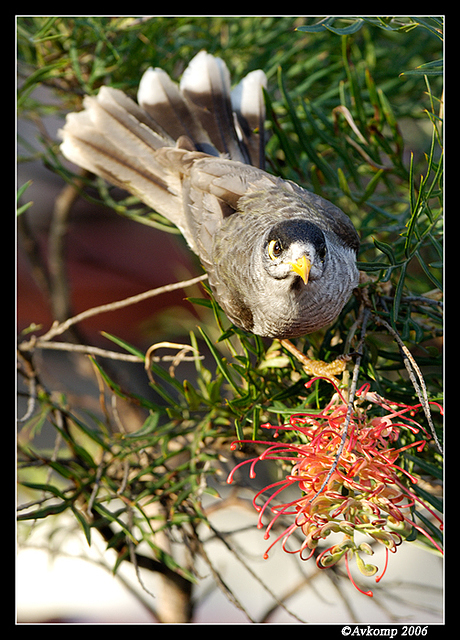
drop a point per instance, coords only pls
(274, 249)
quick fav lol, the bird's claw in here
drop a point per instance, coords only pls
(319, 367)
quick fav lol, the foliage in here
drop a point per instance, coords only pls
(344, 96)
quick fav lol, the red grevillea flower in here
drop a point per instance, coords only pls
(347, 487)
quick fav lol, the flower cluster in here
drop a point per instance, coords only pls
(349, 484)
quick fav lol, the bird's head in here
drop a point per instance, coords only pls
(294, 248)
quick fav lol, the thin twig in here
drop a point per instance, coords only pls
(95, 490)
(132, 554)
(124, 482)
(116, 415)
(414, 372)
(114, 355)
(59, 328)
(220, 535)
(57, 264)
(217, 576)
(31, 399)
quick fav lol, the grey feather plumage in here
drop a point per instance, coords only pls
(194, 153)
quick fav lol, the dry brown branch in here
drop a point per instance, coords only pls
(58, 281)
(58, 328)
(115, 355)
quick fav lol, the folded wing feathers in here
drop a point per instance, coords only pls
(113, 143)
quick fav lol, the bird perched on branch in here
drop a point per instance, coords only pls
(281, 261)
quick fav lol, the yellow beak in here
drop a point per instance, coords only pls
(302, 267)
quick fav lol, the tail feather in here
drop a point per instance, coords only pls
(249, 107)
(171, 112)
(206, 84)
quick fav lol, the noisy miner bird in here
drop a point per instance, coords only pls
(281, 261)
